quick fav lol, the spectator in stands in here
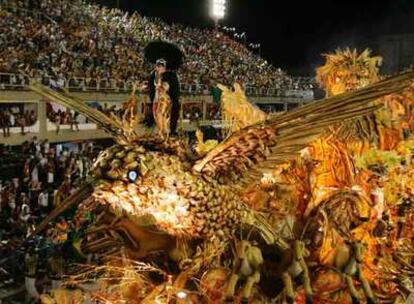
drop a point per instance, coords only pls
(74, 121)
(5, 123)
(22, 123)
(25, 210)
(35, 174)
(43, 202)
(57, 120)
(46, 146)
(50, 172)
(32, 118)
(12, 119)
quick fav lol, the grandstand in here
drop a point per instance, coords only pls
(83, 45)
(97, 54)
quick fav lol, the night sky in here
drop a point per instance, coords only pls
(293, 34)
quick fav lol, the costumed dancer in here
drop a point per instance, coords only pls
(163, 87)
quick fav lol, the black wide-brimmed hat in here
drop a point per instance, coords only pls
(158, 50)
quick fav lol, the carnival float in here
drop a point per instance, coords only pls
(313, 205)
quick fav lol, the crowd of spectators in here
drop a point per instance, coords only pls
(78, 43)
(16, 117)
(34, 179)
(61, 117)
(192, 111)
(38, 180)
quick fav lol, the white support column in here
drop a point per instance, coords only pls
(42, 118)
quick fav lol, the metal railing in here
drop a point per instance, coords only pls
(10, 81)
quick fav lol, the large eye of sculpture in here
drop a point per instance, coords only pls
(133, 175)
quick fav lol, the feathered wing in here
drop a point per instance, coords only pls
(110, 125)
(281, 138)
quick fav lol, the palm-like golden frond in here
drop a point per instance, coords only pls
(129, 120)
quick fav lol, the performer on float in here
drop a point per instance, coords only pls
(163, 87)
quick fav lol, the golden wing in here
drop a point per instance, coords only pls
(113, 126)
(281, 138)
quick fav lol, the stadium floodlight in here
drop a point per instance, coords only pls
(218, 10)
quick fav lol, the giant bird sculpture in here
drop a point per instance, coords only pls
(151, 192)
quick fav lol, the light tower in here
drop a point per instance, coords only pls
(218, 10)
